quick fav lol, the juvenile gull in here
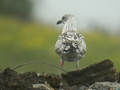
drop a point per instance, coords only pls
(70, 45)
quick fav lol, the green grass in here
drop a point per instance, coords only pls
(22, 42)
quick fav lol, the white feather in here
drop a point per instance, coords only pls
(70, 45)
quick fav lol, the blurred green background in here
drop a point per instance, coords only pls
(24, 40)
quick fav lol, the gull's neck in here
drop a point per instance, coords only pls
(69, 25)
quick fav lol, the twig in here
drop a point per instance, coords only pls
(22, 65)
(52, 65)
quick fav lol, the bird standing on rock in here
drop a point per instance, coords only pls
(70, 45)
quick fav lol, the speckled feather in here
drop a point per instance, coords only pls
(70, 45)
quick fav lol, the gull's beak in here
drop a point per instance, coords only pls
(59, 22)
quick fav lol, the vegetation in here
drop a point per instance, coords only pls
(16, 8)
(22, 42)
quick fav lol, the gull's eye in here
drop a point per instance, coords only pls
(64, 18)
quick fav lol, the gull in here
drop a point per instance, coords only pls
(70, 45)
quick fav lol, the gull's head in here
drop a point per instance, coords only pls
(66, 18)
(69, 23)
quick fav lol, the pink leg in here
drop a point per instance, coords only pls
(77, 65)
(61, 66)
(61, 62)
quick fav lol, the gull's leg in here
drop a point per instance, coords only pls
(61, 66)
(77, 64)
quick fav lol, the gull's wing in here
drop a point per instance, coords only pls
(70, 42)
(82, 46)
(58, 46)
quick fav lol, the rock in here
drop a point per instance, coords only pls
(105, 86)
(118, 77)
(103, 71)
(11, 80)
(42, 87)
(93, 76)
(53, 80)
